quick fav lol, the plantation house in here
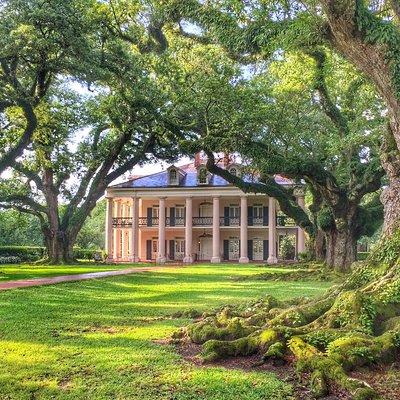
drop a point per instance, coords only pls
(187, 214)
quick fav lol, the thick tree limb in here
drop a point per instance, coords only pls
(9, 157)
(269, 187)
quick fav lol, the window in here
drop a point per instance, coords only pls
(234, 170)
(155, 212)
(203, 178)
(173, 177)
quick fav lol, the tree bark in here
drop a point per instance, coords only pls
(390, 157)
(59, 248)
(341, 248)
(319, 246)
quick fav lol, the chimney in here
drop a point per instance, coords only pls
(197, 159)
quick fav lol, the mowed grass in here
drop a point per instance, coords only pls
(96, 339)
(10, 272)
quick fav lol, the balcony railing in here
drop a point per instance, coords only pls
(202, 221)
(229, 221)
(175, 221)
(121, 222)
(283, 220)
(148, 221)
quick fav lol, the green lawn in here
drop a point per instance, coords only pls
(27, 271)
(95, 339)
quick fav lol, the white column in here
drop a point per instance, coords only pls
(117, 231)
(216, 257)
(243, 231)
(301, 247)
(134, 256)
(188, 231)
(272, 259)
(109, 229)
(125, 239)
(161, 232)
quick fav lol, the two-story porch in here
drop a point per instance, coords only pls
(213, 225)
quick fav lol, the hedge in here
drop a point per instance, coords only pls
(35, 253)
(10, 260)
(25, 253)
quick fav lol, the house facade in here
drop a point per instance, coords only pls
(187, 214)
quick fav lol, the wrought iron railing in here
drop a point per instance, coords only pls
(202, 221)
(175, 221)
(283, 220)
(120, 222)
(256, 221)
(148, 221)
(229, 221)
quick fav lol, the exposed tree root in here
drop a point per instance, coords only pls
(312, 272)
(355, 324)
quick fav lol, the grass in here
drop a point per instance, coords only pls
(10, 272)
(95, 339)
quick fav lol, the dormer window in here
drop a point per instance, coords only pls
(234, 170)
(173, 177)
(203, 176)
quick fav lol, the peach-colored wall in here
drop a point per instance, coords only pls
(224, 202)
(179, 232)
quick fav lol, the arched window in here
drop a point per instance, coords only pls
(173, 177)
(234, 170)
(203, 178)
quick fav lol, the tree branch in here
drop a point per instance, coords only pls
(9, 157)
(269, 187)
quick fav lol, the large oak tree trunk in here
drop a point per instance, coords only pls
(391, 194)
(341, 248)
(320, 246)
(59, 249)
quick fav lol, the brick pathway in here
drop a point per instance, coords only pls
(21, 283)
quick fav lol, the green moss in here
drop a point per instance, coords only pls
(201, 332)
(216, 349)
(275, 351)
(321, 338)
(301, 349)
(365, 393)
(268, 337)
(350, 351)
(318, 384)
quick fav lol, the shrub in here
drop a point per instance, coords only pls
(10, 260)
(287, 248)
(85, 254)
(35, 253)
(304, 256)
(362, 255)
(24, 253)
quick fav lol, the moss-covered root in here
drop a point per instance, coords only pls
(260, 341)
(216, 349)
(325, 369)
(210, 328)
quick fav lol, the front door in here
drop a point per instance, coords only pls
(205, 248)
(258, 249)
(154, 249)
(233, 249)
(179, 249)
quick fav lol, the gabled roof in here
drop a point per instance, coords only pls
(188, 180)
